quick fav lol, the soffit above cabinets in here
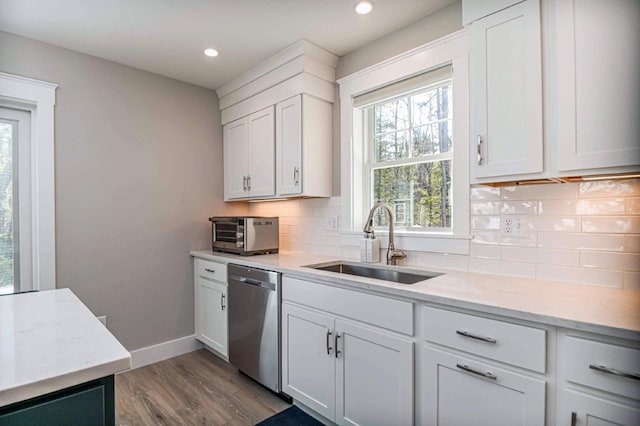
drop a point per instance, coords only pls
(168, 37)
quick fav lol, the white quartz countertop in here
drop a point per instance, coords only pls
(49, 341)
(602, 310)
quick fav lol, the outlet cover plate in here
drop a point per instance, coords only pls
(514, 225)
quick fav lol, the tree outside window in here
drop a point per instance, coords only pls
(410, 154)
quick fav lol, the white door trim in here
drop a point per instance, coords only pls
(39, 98)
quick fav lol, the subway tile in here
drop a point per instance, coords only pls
(350, 252)
(542, 256)
(631, 280)
(611, 224)
(632, 243)
(485, 208)
(554, 223)
(581, 207)
(519, 254)
(438, 260)
(518, 207)
(609, 260)
(485, 251)
(484, 193)
(632, 205)
(610, 188)
(499, 267)
(485, 237)
(558, 257)
(567, 240)
(540, 192)
(485, 222)
(575, 275)
(530, 240)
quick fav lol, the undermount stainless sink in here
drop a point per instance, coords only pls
(378, 272)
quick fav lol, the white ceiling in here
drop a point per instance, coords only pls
(168, 36)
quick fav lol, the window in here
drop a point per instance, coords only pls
(404, 138)
(408, 139)
(27, 208)
(9, 258)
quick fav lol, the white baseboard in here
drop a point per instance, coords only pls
(165, 350)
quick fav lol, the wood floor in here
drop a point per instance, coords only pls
(197, 388)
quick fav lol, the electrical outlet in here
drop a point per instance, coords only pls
(333, 223)
(514, 225)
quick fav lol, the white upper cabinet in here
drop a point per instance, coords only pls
(261, 176)
(554, 94)
(282, 110)
(598, 86)
(506, 93)
(249, 156)
(236, 159)
(289, 146)
(303, 147)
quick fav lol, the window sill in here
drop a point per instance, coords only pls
(415, 241)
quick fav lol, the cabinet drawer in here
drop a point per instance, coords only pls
(212, 270)
(513, 344)
(602, 365)
(392, 314)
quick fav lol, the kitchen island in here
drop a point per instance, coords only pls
(56, 357)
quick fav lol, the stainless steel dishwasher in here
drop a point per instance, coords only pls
(254, 324)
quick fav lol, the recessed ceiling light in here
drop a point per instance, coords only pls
(363, 7)
(211, 52)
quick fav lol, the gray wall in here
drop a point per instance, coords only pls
(138, 172)
(431, 27)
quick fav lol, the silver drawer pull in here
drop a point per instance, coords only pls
(479, 149)
(210, 270)
(475, 336)
(614, 372)
(488, 375)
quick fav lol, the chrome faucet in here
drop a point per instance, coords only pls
(392, 253)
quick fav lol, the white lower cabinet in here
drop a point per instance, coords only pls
(308, 362)
(586, 410)
(598, 380)
(211, 324)
(462, 391)
(351, 373)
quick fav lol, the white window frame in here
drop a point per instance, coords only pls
(450, 50)
(38, 98)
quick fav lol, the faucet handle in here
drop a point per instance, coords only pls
(394, 255)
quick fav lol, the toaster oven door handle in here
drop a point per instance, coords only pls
(213, 231)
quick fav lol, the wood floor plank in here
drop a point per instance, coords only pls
(196, 388)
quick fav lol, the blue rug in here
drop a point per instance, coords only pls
(292, 416)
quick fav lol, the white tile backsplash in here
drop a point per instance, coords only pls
(612, 224)
(586, 233)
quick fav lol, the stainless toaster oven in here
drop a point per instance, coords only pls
(245, 235)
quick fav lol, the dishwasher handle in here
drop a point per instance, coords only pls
(251, 281)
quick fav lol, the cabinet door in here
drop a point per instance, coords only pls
(289, 146)
(262, 152)
(459, 391)
(506, 93)
(211, 321)
(308, 361)
(598, 84)
(235, 154)
(374, 377)
(578, 409)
